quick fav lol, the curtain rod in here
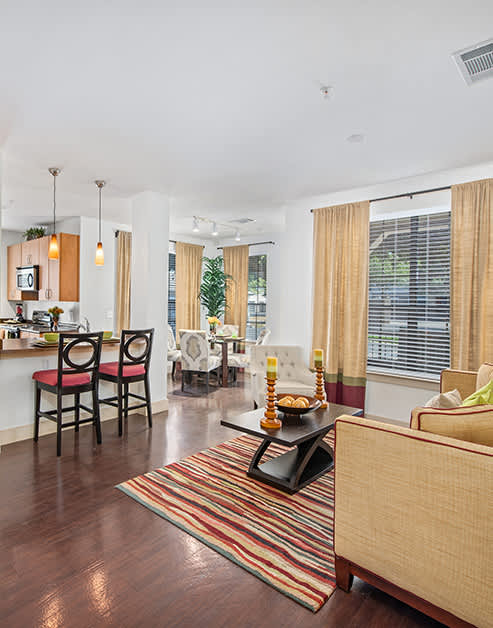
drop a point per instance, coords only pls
(406, 194)
(251, 244)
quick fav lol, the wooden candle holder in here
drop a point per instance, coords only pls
(320, 388)
(270, 421)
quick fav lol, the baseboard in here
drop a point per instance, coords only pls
(25, 432)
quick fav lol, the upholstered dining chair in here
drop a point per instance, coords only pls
(293, 374)
(132, 366)
(74, 375)
(226, 330)
(196, 358)
(242, 360)
(174, 354)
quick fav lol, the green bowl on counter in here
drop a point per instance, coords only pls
(51, 336)
(107, 335)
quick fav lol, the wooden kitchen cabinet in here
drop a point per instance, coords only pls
(14, 258)
(30, 253)
(58, 279)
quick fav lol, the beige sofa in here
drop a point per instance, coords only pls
(414, 517)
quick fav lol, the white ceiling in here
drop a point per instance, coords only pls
(219, 106)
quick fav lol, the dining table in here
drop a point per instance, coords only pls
(225, 341)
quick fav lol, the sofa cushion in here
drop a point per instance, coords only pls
(450, 399)
(482, 396)
(485, 374)
(474, 424)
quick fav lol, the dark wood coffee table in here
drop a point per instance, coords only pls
(311, 456)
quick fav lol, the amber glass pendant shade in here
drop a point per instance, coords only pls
(99, 259)
(53, 252)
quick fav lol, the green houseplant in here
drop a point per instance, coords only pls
(33, 233)
(213, 287)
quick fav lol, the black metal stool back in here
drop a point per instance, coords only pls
(135, 349)
(67, 363)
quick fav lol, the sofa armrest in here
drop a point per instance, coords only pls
(464, 381)
(415, 509)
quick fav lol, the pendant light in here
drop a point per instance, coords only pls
(99, 259)
(53, 252)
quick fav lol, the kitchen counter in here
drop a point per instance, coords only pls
(19, 359)
(23, 347)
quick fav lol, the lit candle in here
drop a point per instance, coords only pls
(272, 368)
(318, 358)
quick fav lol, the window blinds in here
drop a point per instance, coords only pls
(409, 294)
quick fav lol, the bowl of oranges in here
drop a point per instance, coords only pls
(294, 406)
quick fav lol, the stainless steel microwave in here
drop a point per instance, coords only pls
(27, 278)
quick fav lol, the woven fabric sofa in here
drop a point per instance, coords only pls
(414, 517)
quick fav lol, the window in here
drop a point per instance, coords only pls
(409, 294)
(257, 295)
(172, 291)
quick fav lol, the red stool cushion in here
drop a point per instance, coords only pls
(50, 377)
(111, 368)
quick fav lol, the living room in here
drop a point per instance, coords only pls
(323, 453)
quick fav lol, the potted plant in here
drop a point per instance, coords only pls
(55, 312)
(33, 233)
(213, 287)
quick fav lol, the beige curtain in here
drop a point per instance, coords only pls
(340, 298)
(188, 276)
(236, 265)
(471, 276)
(123, 265)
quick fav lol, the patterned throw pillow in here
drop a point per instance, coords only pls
(450, 399)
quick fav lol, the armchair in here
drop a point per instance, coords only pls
(413, 513)
(293, 375)
(196, 358)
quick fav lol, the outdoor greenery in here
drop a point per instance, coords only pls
(213, 288)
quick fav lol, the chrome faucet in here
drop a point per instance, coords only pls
(85, 325)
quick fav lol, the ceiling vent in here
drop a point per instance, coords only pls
(476, 62)
(242, 221)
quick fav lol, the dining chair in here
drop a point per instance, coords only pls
(174, 354)
(74, 375)
(196, 358)
(242, 360)
(132, 366)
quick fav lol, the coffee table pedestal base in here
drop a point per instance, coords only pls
(294, 469)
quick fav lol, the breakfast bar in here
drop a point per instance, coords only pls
(19, 359)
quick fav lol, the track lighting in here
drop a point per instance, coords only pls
(214, 231)
(237, 236)
(195, 225)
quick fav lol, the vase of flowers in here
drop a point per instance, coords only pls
(55, 312)
(213, 323)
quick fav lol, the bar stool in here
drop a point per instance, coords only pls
(79, 377)
(132, 366)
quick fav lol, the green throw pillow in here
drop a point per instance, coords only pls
(481, 396)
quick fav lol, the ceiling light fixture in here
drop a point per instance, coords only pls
(214, 231)
(53, 251)
(99, 259)
(195, 225)
(237, 236)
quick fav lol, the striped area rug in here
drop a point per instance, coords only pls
(285, 540)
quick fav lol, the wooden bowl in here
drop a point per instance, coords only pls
(297, 412)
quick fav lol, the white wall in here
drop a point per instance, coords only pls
(387, 398)
(97, 283)
(7, 308)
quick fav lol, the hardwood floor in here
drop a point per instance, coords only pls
(76, 552)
